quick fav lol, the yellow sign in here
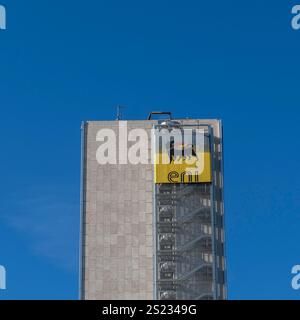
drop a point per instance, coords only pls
(193, 169)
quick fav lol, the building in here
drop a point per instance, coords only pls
(147, 230)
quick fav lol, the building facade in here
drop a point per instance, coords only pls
(147, 230)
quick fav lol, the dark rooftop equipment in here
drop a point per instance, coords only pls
(167, 113)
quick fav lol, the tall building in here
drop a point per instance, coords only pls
(152, 229)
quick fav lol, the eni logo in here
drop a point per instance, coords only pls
(175, 177)
(2, 18)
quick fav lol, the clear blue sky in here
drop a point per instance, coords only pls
(62, 62)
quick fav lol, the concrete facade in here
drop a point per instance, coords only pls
(117, 241)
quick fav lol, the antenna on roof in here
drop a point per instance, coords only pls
(119, 113)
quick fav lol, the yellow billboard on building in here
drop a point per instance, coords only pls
(182, 163)
(183, 172)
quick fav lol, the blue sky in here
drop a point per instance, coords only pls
(62, 62)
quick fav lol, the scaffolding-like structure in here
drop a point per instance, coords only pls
(184, 242)
(188, 246)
